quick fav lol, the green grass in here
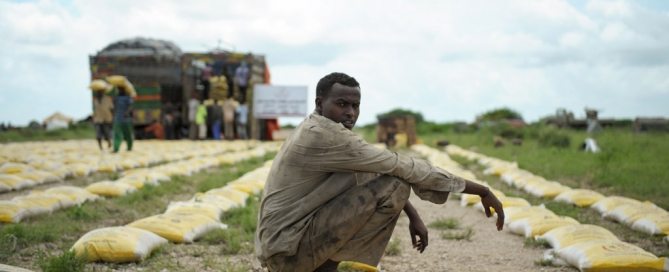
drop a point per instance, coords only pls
(239, 236)
(65, 262)
(445, 223)
(80, 131)
(15, 237)
(536, 243)
(460, 234)
(26, 241)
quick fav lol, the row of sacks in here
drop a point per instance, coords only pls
(45, 202)
(586, 247)
(23, 165)
(645, 216)
(182, 222)
(442, 160)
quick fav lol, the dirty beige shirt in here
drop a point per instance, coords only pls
(102, 110)
(305, 172)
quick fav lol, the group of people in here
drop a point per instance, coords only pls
(112, 114)
(217, 119)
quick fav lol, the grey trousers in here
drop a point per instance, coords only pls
(354, 226)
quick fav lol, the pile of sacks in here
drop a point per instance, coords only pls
(24, 165)
(182, 222)
(48, 201)
(645, 216)
(586, 247)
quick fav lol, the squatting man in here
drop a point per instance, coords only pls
(331, 196)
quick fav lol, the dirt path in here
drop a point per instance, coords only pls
(488, 250)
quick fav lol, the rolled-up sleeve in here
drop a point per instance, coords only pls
(333, 148)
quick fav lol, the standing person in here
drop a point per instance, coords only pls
(242, 118)
(193, 105)
(242, 79)
(216, 115)
(330, 196)
(229, 107)
(122, 119)
(102, 116)
(201, 121)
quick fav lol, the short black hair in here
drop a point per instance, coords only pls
(325, 84)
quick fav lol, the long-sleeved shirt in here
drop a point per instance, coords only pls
(102, 109)
(122, 111)
(301, 179)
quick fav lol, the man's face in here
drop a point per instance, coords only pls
(341, 105)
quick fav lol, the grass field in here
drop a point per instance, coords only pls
(80, 131)
(630, 164)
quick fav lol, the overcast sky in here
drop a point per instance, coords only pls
(450, 60)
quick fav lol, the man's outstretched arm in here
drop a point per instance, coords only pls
(417, 228)
(488, 199)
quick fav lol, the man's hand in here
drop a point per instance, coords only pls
(417, 229)
(491, 201)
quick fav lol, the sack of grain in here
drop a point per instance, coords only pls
(117, 244)
(538, 225)
(579, 197)
(602, 255)
(210, 210)
(178, 227)
(565, 236)
(11, 212)
(110, 188)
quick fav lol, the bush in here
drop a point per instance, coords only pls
(553, 138)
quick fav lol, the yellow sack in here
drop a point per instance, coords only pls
(99, 85)
(117, 244)
(547, 189)
(78, 195)
(517, 213)
(565, 236)
(15, 182)
(579, 197)
(248, 188)
(37, 204)
(13, 168)
(653, 224)
(237, 196)
(80, 169)
(36, 177)
(607, 204)
(11, 212)
(210, 210)
(117, 80)
(63, 200)
(628, 213)
(137, 181)
(178, 227)
(611, 256)
(507, 202)
(110, 188)
(108, 167)
(4, 188)
(221, 202)
(350, 266)
(538, 225)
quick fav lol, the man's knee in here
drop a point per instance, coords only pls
(390, 192)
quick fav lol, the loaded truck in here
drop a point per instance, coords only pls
(165, 78)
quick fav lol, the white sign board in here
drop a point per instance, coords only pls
(271, 101)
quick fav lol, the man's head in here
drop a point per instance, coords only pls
(338, 99)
